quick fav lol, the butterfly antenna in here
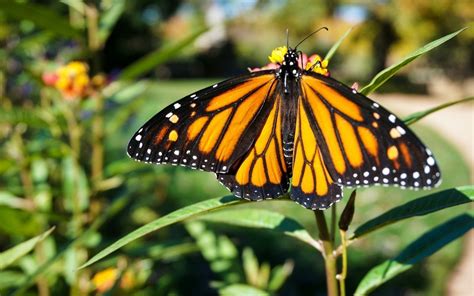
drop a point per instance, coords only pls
(311, 34)
(287, 38)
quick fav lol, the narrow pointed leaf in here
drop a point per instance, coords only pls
(257, 218)
(410, 119)
(424, 246)
(159, 56)
(336, 45)
(418, 207)
(172, 218)
(11, 255)
(387, 73)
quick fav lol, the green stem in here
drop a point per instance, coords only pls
(329, 258)
(98, 141)
(333, 223)
(342, 276)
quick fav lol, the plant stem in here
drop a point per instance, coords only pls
(97, 141)
(342, 276)
(333, 223)
(329, 258)
(92, 17)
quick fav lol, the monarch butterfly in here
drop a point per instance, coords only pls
(259, 130)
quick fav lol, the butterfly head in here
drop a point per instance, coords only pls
(287, 59)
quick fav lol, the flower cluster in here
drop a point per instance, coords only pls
(73, 80)
(314, 63)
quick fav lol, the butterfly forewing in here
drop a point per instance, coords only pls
(210, 129)
(362, 142)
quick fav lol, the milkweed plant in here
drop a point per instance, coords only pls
(58, 178)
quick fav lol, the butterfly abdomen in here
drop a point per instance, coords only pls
(288, 151)
(289, 107)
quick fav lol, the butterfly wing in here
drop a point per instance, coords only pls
(312, 186)
(211, 129)
(262, 172)
(361, 142)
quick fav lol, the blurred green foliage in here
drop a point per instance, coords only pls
(63, 160)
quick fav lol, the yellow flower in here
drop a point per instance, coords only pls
(104, 280)
(317, 65)
(73, 80)
(278, 54)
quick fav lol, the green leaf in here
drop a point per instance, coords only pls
(172, 218)
(250, 264)
(257, 218)
(158, 56)
(279, 275)
(109, 18)
(336, 45)
(9, 256)
(418, 207)
(42, 16)
(170, 252)
(387, 73)
(424, 246)
(412, 118)
(218, 250)
(10, 279)
(241, 289)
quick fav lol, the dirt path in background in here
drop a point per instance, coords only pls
(455, 123)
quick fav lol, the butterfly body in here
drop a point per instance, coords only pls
(270, 130)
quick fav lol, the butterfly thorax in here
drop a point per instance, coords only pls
(289, 69)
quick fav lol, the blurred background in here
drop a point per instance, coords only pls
(77, 78)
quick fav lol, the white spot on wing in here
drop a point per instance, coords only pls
(392, 118)
(427, 169)
(401, 130)
(430, 161)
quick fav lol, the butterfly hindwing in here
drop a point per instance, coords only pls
(312, 186)
(210, 129)
(362, 142)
